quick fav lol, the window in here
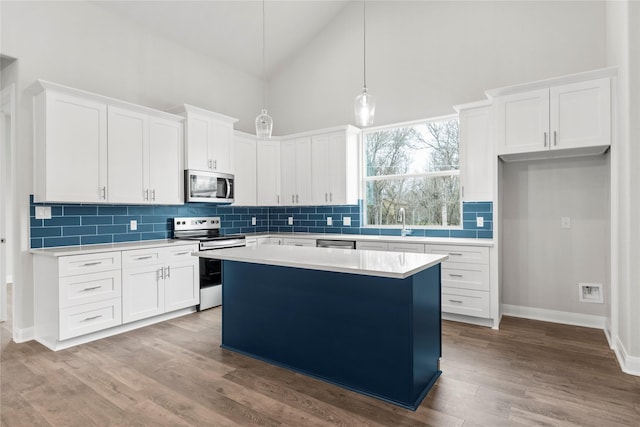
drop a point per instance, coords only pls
(414, 167)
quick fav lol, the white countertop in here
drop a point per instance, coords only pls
(397, 265)
(376, 238)
(107, 247)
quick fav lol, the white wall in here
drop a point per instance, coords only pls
(424, 57)
(623, 49)
(543, 263)
(84, 46)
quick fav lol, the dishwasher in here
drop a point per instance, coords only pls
(338, 244)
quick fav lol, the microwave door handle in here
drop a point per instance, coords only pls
(228, 181)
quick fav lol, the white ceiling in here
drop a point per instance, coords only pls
(231, 31)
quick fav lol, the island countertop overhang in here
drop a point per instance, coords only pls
(397, 265)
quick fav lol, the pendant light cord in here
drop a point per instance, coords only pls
(364, 40)
(264, 68)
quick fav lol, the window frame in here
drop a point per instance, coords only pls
(364, 179)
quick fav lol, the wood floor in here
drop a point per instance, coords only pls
(175, 374)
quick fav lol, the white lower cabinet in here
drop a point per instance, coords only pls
(158, 280)
(465, 276)
(77, 295)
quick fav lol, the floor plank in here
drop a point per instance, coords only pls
(528, 373)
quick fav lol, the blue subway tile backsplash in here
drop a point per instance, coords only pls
(80, 224)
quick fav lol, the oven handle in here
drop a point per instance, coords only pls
(232, 243)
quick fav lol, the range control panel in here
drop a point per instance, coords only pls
(201, 223)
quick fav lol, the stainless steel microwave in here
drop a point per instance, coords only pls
(209, 187)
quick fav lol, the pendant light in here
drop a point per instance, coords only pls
(365, 103)
(264, 122)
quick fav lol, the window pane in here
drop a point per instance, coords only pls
(426, 200)
(428, 147)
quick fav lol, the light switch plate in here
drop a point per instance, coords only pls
(329, 220)
(479, 221)
(133, 225)
(43, 212)
(290, 222)
(253, 220)
(346, 221)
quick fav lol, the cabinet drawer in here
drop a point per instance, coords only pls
(87, 318)
(466, 276)
(89, 263)
(180, 253)
(142, 257)
(466, 302)
(299, 242)
(406, 247)
(457, 254)
(87, 288)
(372, 246)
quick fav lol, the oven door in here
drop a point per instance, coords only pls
(210, 283)
(210, 187)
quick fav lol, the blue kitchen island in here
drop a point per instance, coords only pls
(368, 321)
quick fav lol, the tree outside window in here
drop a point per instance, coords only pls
(414, 167)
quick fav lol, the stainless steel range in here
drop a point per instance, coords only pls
(206, 230)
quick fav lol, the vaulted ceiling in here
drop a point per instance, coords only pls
(231, 31)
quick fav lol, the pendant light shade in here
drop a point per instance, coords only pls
(365, 103)
(365, 108)
(264, 125)
(264, 122)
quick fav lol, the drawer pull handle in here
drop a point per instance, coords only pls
(92, 318)
(183, 253)
(143, 257)
(89, 264)
(91, 288)
(168, 272)
(456, 301)
(455, 253)
(455, 275)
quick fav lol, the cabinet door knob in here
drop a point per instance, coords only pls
(153, 194)
(555, 137)
(103, 191)
(297, 198)
(545, 139)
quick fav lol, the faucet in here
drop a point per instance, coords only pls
(402, 219)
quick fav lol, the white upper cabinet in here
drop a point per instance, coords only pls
(145, 162)
(245, 192)
(94, 149)
(127, 154)
(335, 167)
(208, 140)
(476, 151)
(165, 177)
(70, 150)
(565, 118)
(295, 164)
(268, 172)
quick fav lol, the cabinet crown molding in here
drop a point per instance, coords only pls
(43, 85)
(187, 108)
(556, 81)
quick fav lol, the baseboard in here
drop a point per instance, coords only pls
(629, 364)
(468, 319)
(565, 317)
(24, 334)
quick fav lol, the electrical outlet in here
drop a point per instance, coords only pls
(590, 292)
(43, 212)
(479, 221)
(290, 221)
(253, 220)
(565, 222)
(133, 225)
(329, 220)
(346, 221)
